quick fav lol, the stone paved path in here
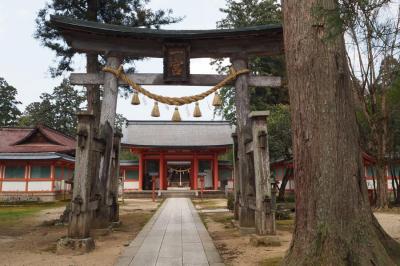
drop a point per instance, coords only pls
(175, 235)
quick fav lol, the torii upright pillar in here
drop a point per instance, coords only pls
(104, 214)
(242, 102)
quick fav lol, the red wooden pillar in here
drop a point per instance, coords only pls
(52, 176)
(215, 170)
(27, 176)
(162, 171)
(141, 168)
(195, 171)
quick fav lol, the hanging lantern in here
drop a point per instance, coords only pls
(135, 98)
(196, 112)
(156, 111)
(176, 117)
(217, 100)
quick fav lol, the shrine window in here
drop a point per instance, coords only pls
(40, 171)
(132, 174)
(58, 173)
(16, 171)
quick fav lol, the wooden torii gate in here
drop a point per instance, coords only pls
(97, 190)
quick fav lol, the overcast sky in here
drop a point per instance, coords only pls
(24, 62)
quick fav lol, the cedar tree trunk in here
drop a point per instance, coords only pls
(334, 223)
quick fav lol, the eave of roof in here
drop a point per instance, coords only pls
(36, 156)
(69, 23)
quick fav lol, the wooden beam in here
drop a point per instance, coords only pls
(157, 79)
(201, 48)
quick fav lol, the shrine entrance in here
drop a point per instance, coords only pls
(95, 193)
(179, 175)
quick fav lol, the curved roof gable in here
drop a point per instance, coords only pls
(37, 139)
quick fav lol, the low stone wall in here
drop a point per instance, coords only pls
(32, 197)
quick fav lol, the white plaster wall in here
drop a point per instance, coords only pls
(13, 186)
(390, 184)
(58, 185)
(39, 186)
(370, 184)
(131, 185)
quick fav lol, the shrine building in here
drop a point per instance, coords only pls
(35, 162)
(181, 155)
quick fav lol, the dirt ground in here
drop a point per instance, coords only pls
(236, 249)
(32, 241)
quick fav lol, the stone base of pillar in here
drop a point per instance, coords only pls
(76, 246)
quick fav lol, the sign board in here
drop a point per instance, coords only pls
(176, 62)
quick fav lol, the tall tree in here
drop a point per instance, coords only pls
(334, 223)
(373, 46)
(9, 111)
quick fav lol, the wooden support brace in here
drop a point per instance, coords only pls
(81, 207)
(264, 214)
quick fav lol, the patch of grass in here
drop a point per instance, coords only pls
(11, 213)
(224, 219)
(208, 203)
(271, 261)
(285, 225)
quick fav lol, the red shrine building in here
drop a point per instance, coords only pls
(182, 155)
(35, 163)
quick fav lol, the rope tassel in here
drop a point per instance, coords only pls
(135, 98)
(197, 112)
(217, 100)
(176, 117)
(156, 111)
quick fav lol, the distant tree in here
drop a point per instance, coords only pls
(279, 132)
(56, 110)
(120, 122)
(38, 113)
(373, 47)
(9, 112)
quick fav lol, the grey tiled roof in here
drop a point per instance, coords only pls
(178, 134)
(36, 156)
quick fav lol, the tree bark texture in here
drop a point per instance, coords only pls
(334, 223)
(242, 103)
